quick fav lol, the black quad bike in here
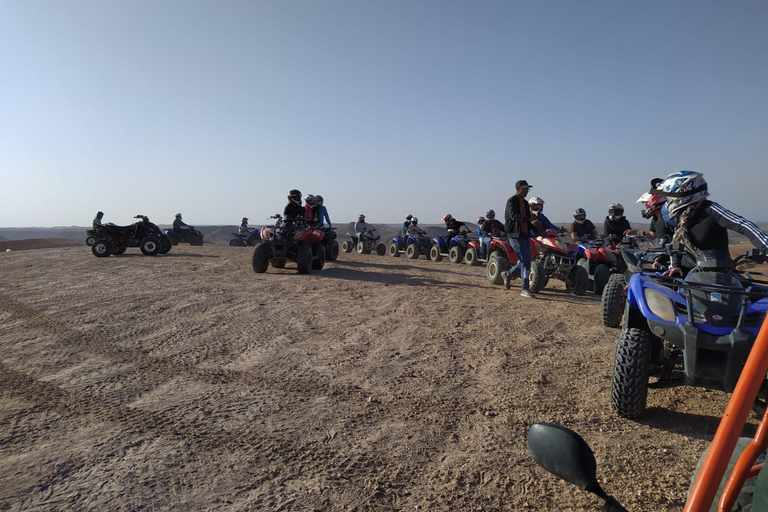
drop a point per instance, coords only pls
(143, 234)
(369, 242)
(288, 241)
(330, 243)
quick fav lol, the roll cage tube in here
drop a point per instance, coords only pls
(735, 417)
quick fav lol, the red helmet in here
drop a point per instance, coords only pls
(447, 217)
(480, 220)
(653, 203)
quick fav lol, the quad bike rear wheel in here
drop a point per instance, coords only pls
(456, 254)
(362, 248)
(536, 278)
(412, 251)
(584, 263)
(497, 265)
(629, 383)
(434, 253)
(174, 239)
(471, 258)
(579, 281)
(304, 259)
(347, 246)
(613, 301)
(394, 250)
(332, 253)
(602, 274)
(150, 246)
(195, 240)
(101, 248)
(261, 256)
(236, 242)
(165, 244)
(381, 249)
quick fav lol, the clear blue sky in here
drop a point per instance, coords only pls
(217, 108)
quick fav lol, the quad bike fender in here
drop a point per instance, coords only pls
(474, 243)
(440, 243)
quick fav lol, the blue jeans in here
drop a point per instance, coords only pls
(485, 243)
(522, 248)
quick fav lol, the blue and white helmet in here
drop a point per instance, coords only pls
(682, 189)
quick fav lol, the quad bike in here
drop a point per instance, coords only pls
(600, 258)
(188, 234)
(414, 245)
(615, 292)
(473, 256)
(366, 244)
(288, 241)
(241, 240)
(696, 331)
(115, 240)
(730, 473)
(502, 258)
(330, 243)
(452, 246)
(557, 259)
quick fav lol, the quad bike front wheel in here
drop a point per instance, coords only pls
(89, 241)
(119, 250)
(319, 262)
(362, 248)
(434, 253)
(261, 256)
(347, 246)
(150, 246)
(456, 254)
(394, 250)
(236, 242)
(332, 253)
(537, 278)
(174, 239)
(584, 263)
(471, 258)
(195, 240)
(101, 248)
(602, 274)
(304, 259)
(412, 251)
(497, 265)
(165, 244)
(381, 249)
(579, 281)
(629, 383)
(613, 300)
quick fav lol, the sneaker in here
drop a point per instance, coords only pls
(507, 280)
(526, 293)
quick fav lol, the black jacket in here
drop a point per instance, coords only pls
(492, 227)
(616, 227)
(293, 211)
(513, 218)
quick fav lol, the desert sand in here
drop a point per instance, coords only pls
(188, 382)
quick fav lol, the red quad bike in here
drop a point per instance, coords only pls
(502, 258)
(600, 258)
(557, 259)
(288, 241)
(472, 257)
(730, 475)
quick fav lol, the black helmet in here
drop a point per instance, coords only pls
(615, 211)
(318, 199)
(100, 214)
(295, 196)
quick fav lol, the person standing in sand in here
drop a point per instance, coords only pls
(517, 218)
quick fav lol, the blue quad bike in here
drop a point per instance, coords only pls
(241, 240)
(189, 235)
(695, 331)
(454, 247)
(414, 245)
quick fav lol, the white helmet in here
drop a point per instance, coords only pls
(683, 188)
(536, 203)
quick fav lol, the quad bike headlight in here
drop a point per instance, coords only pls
(660, 305)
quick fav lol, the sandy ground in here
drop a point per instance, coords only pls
(188, 382)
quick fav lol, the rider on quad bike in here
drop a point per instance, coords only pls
(700, 224)
(616, 224)
(294, 211)
(539, 222)
(581, 227)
